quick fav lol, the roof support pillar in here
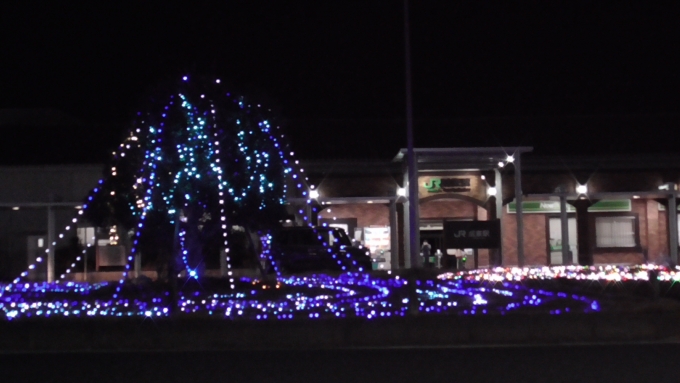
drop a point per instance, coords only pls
(498, 183)
(672, 224)
(519, 216)
(566, 258)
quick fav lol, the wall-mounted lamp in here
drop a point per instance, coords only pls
(581, 189)
(501, 164)
(313, 194)
(401, 192)
(491, 191)
(510, 159)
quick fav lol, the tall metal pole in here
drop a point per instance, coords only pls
(412, 171)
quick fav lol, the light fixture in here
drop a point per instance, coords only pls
(491, 191)
(370, 201)
(510, 159)
(483, 176)
(581, 189)
(401, 192)
(313, 194)
(78, 207)
(636, 197)
(501, 164)
(15, 208)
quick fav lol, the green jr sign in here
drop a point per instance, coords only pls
(449, 185)
(434, 186)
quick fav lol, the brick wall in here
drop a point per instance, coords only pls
(535, 241)
(367, 214)
(654, 245)
(509, 240)
(482, 254)
(447, 208)
(663, 233)
(613, 258)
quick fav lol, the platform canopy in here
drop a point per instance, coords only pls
(462, 158)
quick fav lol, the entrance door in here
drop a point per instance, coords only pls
(555, 240)
(433, 233)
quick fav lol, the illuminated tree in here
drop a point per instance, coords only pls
(198, 161)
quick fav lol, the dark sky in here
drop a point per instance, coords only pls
(563, 76)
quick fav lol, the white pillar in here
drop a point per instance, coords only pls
(50, 244)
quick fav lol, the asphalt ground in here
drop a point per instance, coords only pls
(577, 363)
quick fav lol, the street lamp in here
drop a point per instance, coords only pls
(581, 189)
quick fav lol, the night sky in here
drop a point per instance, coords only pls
(566, 77)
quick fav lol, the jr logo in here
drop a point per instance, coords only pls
(434, 186)
(460, 234)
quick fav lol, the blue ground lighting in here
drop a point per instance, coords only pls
(349, 295)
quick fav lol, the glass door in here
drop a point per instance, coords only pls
(555, 240)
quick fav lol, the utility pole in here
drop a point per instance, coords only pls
(412, 171)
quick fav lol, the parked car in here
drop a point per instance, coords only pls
(300, 249)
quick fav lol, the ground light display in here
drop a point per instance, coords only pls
(497, 291)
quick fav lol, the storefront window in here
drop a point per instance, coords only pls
(86, 236)
(618, 231)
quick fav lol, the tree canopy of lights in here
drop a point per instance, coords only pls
(197, 162)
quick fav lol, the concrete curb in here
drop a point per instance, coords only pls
(423, 331)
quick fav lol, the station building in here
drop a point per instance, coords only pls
(614, 209)
(586, 210)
